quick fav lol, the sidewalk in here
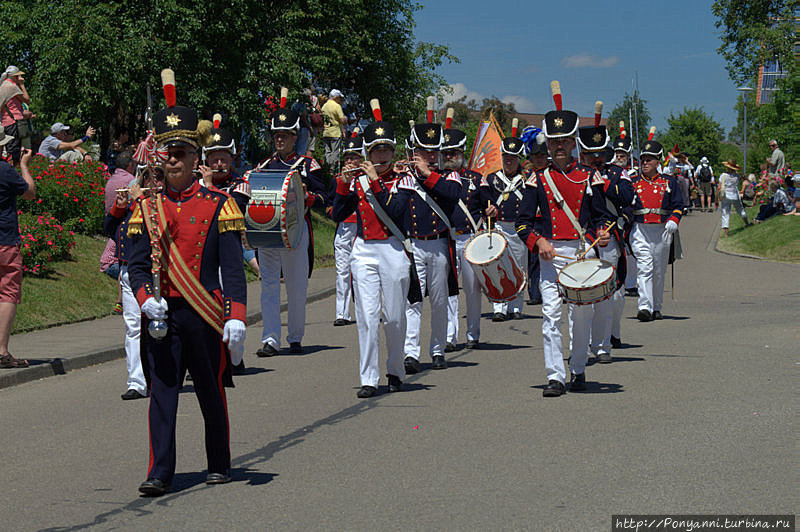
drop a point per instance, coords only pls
(57, 350)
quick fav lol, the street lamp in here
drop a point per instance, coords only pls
(745, 93)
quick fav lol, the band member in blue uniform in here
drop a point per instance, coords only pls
(379, 260)
(594, 141)
(352, 155)
(466, 221)
(500, 195)
(296, 264)
(658, 210)
(191, 233)
(431, 195)
(623, 147)
(570, 198)
(537, 159)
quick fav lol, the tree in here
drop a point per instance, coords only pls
(696, 133)
(623, 111)
(90, 61)
(755, 31)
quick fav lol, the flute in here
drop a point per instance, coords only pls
(143, 189)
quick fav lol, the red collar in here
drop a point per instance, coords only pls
(185, 193)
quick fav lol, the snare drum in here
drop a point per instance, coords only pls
(274, 214)
(495, 267)
(587, 281)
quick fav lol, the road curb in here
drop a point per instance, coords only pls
(715, 246)
(60, 366)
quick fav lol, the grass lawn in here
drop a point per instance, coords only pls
(77, 291)
(777, 238)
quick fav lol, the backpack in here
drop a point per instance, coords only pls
(704, 175)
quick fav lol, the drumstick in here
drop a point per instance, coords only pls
(589, 249)
(489, 218)
(564, 257)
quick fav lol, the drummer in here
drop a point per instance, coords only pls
(378, 261)
(500, 195)
(297, 263)
(465, 220)
(570, 199)
(352, 155)
(594, 141)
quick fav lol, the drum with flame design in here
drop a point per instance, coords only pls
(498, 273)
(274, 214)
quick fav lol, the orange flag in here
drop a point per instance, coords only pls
(485, 158)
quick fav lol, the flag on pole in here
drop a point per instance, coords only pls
(486, 158)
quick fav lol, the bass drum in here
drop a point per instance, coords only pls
(275, 212)
(587, 281)
(495, 267)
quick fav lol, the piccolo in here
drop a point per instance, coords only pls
(143, 189)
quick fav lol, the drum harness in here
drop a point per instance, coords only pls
(475, 227)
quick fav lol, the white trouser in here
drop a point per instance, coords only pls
(630, 277)
(132, 316)
(580, 316)
(380, 278)
(472, 296)
(652, 255)
(520, 253)
(727, 203)
(294, 263)
(430, 256)
(607, 313)
(342, 246)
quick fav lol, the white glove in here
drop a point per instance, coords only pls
(669, 228)
(155, 310)
(234, 332)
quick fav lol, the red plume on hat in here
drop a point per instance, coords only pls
(652, 133)
(622, 133)
(514, 127)
(676, 150)
(168, 82)
(448, 121)
(284, 96)
(355, 132)
(217, 120)
(555, 88)
(598, 112)
(431, 107)
(375, 105)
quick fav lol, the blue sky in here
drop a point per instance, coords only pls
(514, 49)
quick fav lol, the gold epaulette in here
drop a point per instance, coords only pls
(136, 221)
(230, 217)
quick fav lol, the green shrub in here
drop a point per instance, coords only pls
(43, 240)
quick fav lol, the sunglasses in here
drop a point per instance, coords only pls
(180, 153)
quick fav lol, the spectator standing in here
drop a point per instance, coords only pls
(729, 192)
(12, 184)
(334, 120)
(776, 162)
(14, 114)
(704, 177)
(304, 135)
(58, 144)
(121, 178)
(315, 119)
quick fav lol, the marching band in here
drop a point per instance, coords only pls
(406, 231)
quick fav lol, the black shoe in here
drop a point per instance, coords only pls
(412, 365)
(239, 369)
(266, 351)
(578, 382)
(218, 478)
(153, 487)
(534, 301)
(473, 344)
(131, 395)
(295, 348)
(604, 358)
(553, 389)
(616, 343)
(395, 384)
(499, 316)
(632, 292)
(644, 315)
(449, 348)
(439, 362)
(657, 315)
(515, 315)
(366, 391)
(340, 322)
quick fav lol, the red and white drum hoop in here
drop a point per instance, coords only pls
(587, 281)
(495, 267)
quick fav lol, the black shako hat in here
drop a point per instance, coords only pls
(622, 144)
(652, 147)
(178, 124)
(454, 139)
(378, 132)
(354, 144)
(593, 138)
(513, 146)
(284, 119)
(559, 123)
(427, 136)
(221, 139)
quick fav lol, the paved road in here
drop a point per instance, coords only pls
(696, 415)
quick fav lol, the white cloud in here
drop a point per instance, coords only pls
(521, 103)
(459, 90)
(585, 60)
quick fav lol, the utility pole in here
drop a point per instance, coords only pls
(745, 93)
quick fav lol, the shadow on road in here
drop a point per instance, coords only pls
(309, 350)
(488, 346)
